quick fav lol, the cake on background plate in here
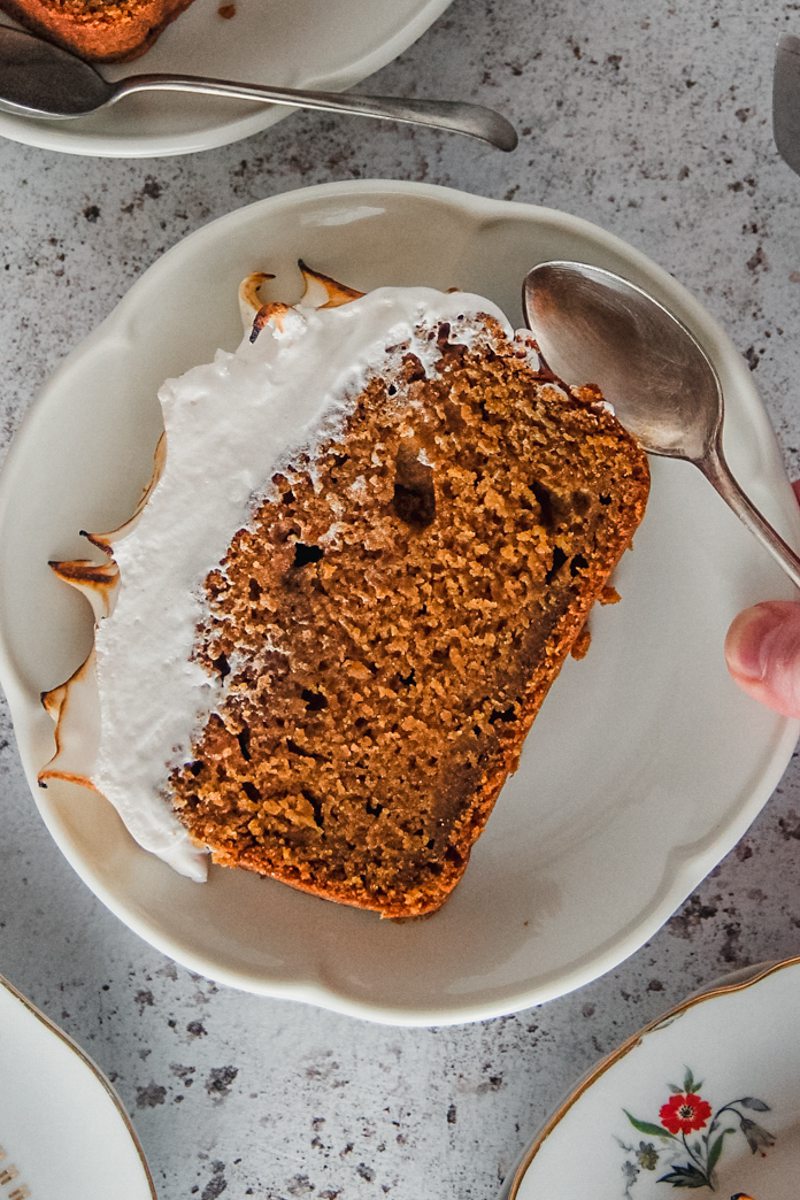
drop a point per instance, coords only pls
(373, 535)
(101, 30)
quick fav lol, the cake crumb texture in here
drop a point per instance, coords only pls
(389, 623)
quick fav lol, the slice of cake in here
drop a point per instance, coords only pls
(101, 30)
(378, 531)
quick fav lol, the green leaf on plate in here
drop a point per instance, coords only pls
(648, 1127)
(684, 1177)
(716, 1150)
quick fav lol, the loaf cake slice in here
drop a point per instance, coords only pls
(435, 517)
(101, 30)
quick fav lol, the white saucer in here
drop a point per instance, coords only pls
(646, 765)
(63, 1131)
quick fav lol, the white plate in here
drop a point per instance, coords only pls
(736, 1051)
(646, 765)
(63, 1130)
(287, 43)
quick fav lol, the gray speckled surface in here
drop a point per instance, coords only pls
(652, 119)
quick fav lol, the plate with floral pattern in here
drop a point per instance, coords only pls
(706, 1099)
(63, 1130)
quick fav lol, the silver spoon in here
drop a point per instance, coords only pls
(38, 79)
(594, 327)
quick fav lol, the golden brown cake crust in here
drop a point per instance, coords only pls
(391, 620)
(100, 30)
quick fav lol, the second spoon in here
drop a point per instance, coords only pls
(40, 80)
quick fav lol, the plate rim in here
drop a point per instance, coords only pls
(64, 138)
(92, 1066)
(714, 992)
(674, 886)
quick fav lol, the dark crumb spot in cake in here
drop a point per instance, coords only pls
(221, 665)
(196, 768)
(506, 714)
(315, 701)
(304, 554)
(577, 565)
(546, 505)
(316, 805)
(414, 498)
(452, 351)
(251, 791)
(243, 738)
(413, 370)
(604, 500)
(415, 507)
(293, 748)
(559, 558)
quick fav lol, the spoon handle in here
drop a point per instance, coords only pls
(459, 117)
(717, 472)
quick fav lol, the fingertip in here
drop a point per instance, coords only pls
(762, 651)
(745, 642)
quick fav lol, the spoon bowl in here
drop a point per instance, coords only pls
(39, 79)
(45, 82)
(594, 327)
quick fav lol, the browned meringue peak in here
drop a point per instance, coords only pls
(74, 704)
(320, 291)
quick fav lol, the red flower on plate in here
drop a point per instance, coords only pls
(684, 1113)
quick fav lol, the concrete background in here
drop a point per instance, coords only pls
(652, 119)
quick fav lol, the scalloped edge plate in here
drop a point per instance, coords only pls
(646, 764)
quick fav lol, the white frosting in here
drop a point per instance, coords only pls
(230, 425)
